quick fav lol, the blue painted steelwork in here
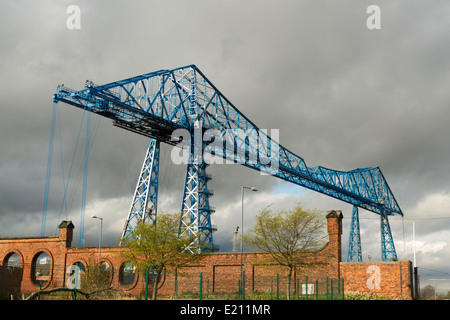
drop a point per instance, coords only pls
(145, 199)
(388, 252)
(195, 209)
(157, 103)
(49, 170)
(354, 252)
(85, 172)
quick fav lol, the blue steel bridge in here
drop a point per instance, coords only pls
(159, 104)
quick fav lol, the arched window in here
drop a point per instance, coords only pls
(13, 261)
(74, 273)
(11, 275)
(40, 269)
(127, 274)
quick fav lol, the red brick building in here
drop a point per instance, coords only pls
(26, 264)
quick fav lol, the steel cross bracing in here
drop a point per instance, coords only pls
(145, 199)
(195, 209)
(157, 103)
(354, 252)
(388, 252)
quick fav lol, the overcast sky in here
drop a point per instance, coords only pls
(343, 96)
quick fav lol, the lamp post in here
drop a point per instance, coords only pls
(100, 238)
(242, 229)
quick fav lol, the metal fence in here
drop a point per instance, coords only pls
(200, 286)
(195, 286)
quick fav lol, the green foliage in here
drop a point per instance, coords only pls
(158, 247)
(428, 292)
(95, 278)
(287, 233)
(356, 295)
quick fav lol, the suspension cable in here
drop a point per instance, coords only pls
(49, 169)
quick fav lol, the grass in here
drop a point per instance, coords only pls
(265, 295)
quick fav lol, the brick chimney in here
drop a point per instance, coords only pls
(334, 224)
(66, 232)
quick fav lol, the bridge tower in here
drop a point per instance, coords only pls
(145, 200)
(354, 252)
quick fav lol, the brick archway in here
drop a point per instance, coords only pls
(8, 255)
(41, 272)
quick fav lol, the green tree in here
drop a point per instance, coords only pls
(447, 296)
(158, 248)
(286, 234)
(96, 278)
(428, 292)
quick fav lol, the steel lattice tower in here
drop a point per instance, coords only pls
(145, 199)
(354, 252)
(388, 252)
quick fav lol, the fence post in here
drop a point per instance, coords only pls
(339, 286)
(278, 287)
(201, 284)
(331, 285)
(317, 289)
(306, 287)
(176, 288)
(327, 288)
(74, 296)
(146, 283)
(343, 293)
(298, 286)
(243, 284)
(239, 287)
(271, 288)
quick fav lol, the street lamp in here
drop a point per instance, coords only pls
(100, 239)
(242, 228)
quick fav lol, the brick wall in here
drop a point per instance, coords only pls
(220, 271)
(29, 249)
(392, 279)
